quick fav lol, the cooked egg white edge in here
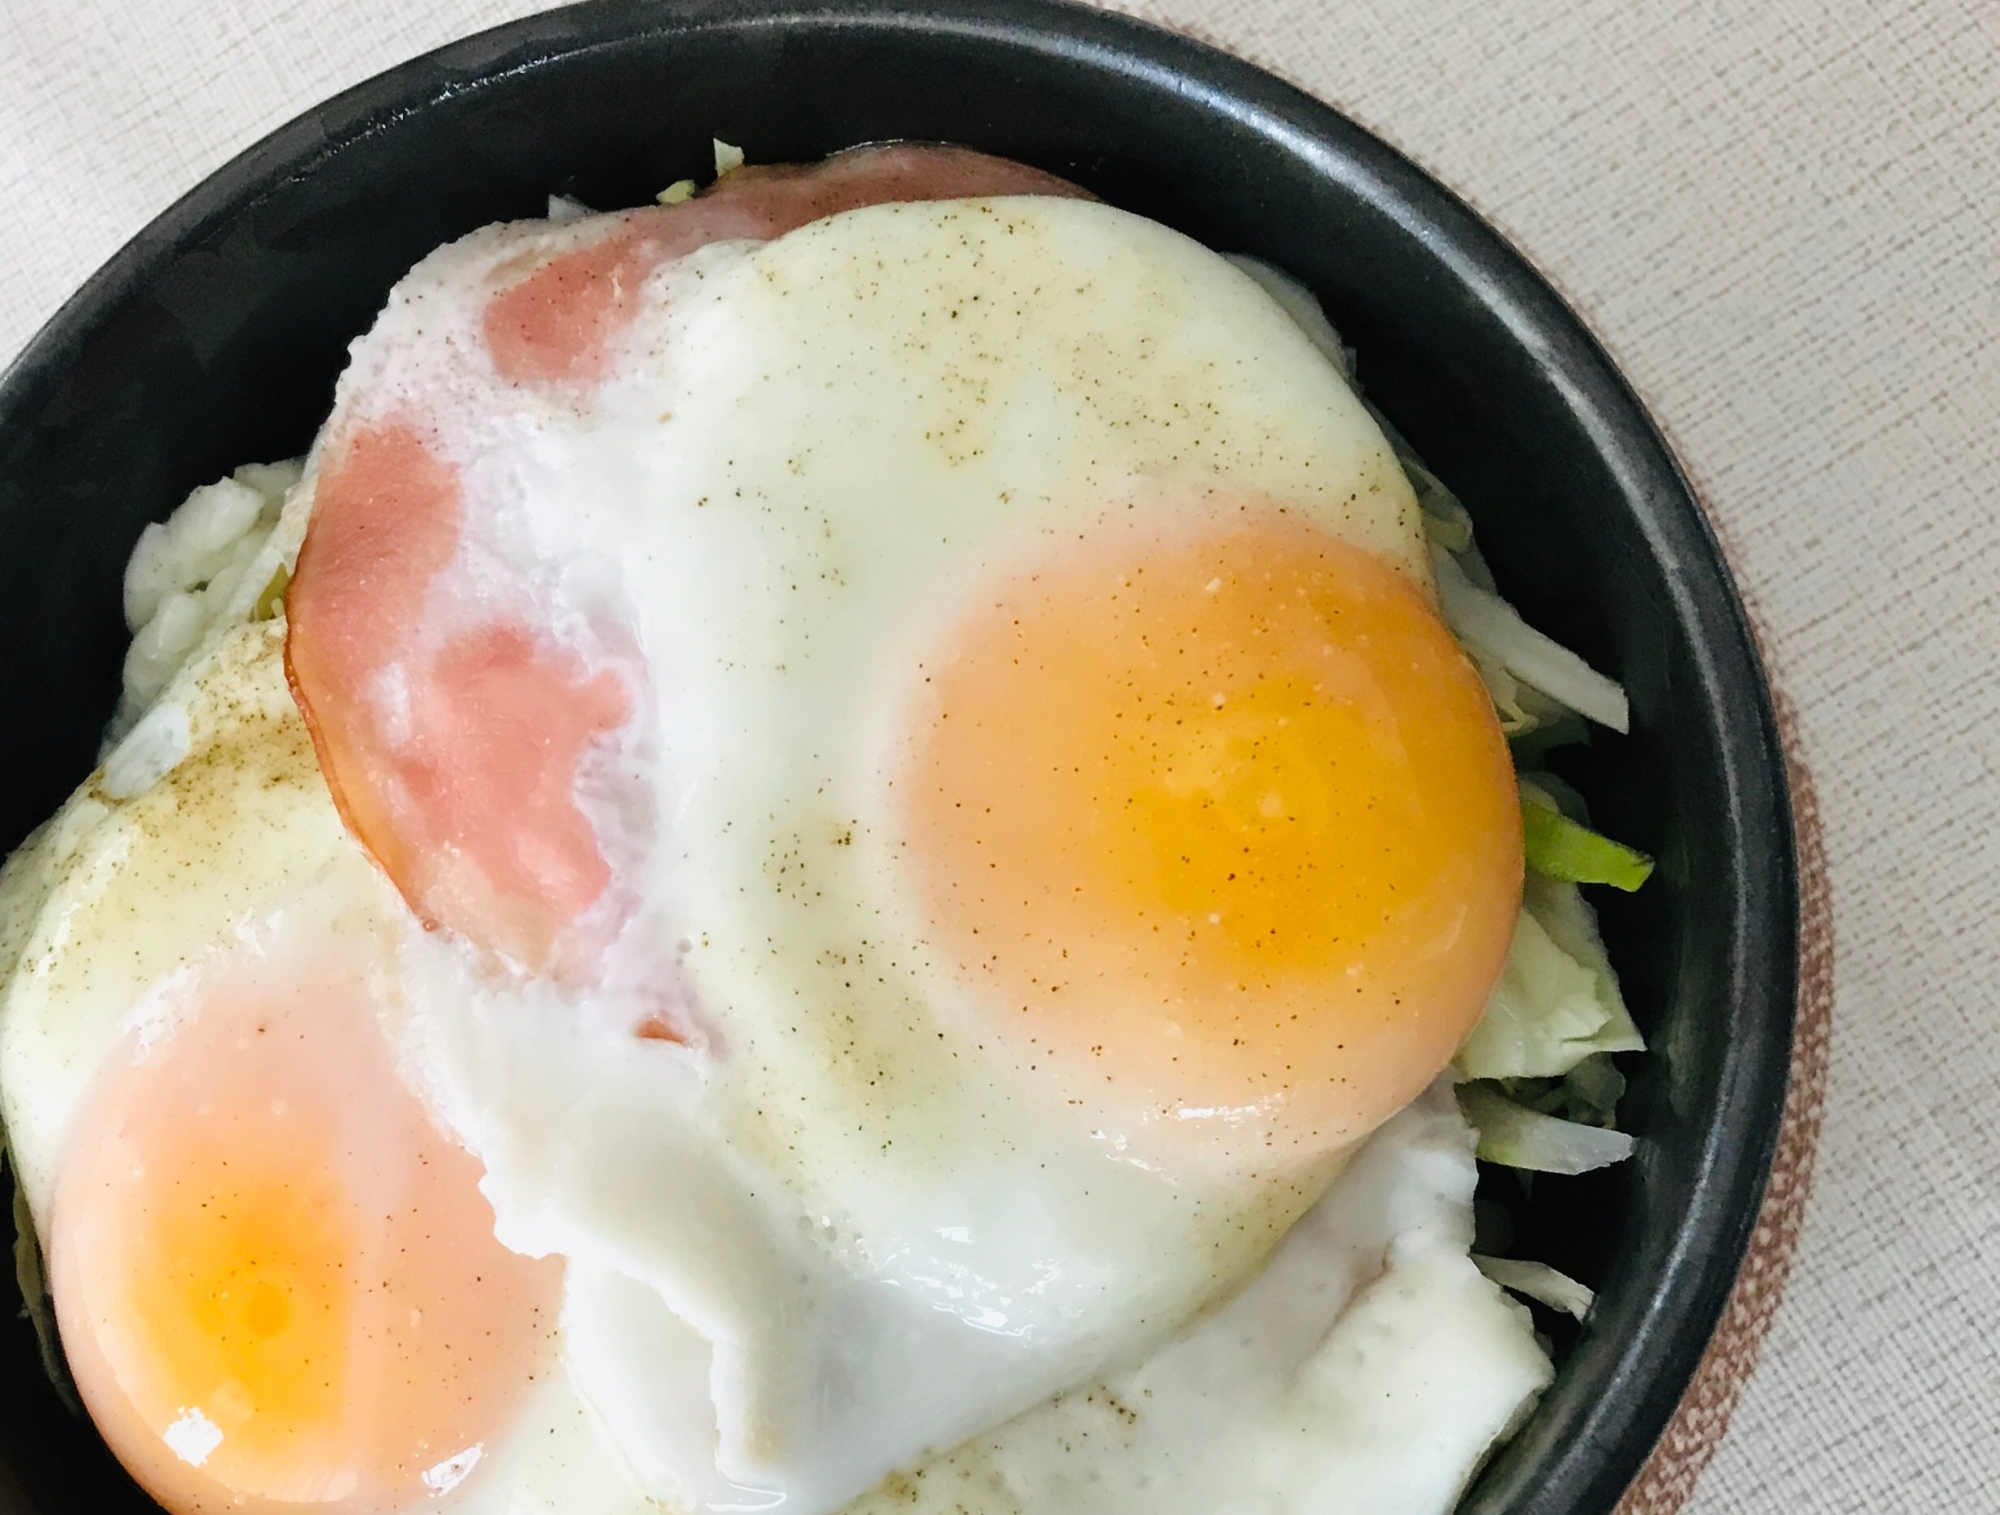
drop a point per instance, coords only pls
(556, 1459)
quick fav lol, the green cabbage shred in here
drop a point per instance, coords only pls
(1560, 848)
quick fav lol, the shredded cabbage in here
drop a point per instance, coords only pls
(1591, 1090)
(1505, 691)
(1549, 1011)
(272, 599)
(1518, 1137)
(1570, 922)
(1560, 848)
(211, 565)
(1491, 627)
(1538, 1281)
(1588, 1093)
(1553, 726)
(1557, 1004)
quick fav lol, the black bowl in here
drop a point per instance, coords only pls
(215, 337)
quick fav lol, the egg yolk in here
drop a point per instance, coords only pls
(1221, 828)
(277, 1282)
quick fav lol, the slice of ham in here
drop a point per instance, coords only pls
(466, 792)
(455, 756)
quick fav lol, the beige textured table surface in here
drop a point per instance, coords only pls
(1781, 219)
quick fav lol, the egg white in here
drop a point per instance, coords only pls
(1369, 1367)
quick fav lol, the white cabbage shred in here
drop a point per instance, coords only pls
(1517, 1137)
(1557, 1001)
(217, 561)
(1539, 1282)
(1494, 633)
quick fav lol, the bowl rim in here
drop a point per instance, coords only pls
(1613, 1437)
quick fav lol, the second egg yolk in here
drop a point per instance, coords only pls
(1222, 829)
(277, 1281)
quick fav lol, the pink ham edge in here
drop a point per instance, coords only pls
(556, 325)
(472, 811)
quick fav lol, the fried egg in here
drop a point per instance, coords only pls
(906, 810)
(276, 1278)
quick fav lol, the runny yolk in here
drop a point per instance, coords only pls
(277, 1282)
(1222, 829)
